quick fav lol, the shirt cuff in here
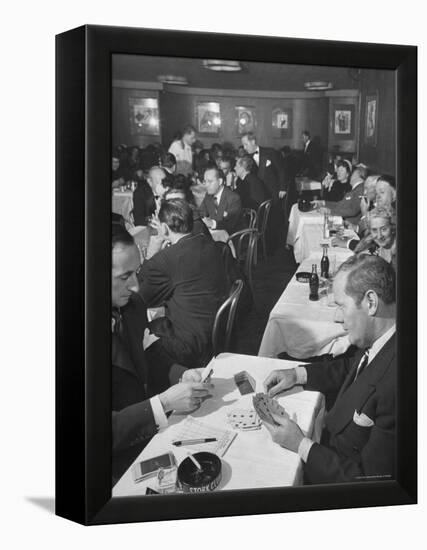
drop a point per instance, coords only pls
(160, 417)
(213, 224)
(301, 374)
(304, 448)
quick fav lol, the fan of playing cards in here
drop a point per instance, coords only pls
(266, 406)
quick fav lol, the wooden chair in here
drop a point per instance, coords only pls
(250, 217)
(224, 320)
(263, 214)
(244, 242)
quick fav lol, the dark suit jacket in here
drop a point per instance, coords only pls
(355, 452)
(228, 215)
(188, 278)
(349, 206)
(132, 415)
(271, 171)
(337, 191)
(251, 191)
(312, 160)
(144, 204)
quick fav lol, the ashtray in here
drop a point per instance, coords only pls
(207, 479)
(303, 276)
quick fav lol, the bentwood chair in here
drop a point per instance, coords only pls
(244, 242)
(250, 217)
(261, 224)
(224, 320)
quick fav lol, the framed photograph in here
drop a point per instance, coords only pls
(343, 121)
(208, 118)
(245, 119)
(206, 450)
(144, 116)
(371, 118)
(282, 122)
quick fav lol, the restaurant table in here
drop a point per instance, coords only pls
(305, 231)
(303, 328)
(252, 460)
(122, 203)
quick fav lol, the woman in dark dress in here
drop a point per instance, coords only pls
(337, 185)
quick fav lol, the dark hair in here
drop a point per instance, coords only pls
(369, 273)
(345, 164)
(167, 181)
(388, 179)
(177, 215)
(168, 160)
(188, 129)
(247, 162)
(306, 133)
(219, 172)
(250, 135)
(120, 236)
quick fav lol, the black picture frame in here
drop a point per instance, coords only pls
(371, 119)
(83, 256)
(343, 121)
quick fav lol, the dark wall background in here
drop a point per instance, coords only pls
(178, 108)
(382, 156)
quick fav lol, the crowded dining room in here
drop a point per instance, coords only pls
(253, 274)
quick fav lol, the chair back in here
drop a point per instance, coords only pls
(224, 320)
(250, 217)
(244, 243)
(263, 215)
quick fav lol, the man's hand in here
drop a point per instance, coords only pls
(279, 380)
(288, 434)
(364, 205)
(184, 397)
(317, 203)
(208, 222)
(192, 375)
(282, 194)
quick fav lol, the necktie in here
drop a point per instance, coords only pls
(362, 364)
(116, 321)
(215, 201)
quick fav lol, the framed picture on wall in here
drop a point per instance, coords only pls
(282, 122)
(371, 119)
(118, 443)
(343, 121)
(208, 116)
(144, 116)
(245, 119)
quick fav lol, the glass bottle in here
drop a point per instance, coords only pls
(314, 284)
(324, 264)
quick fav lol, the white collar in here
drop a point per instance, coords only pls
(381, 342)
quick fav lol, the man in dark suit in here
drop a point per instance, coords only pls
(188, 278)
(358, 441)
(221, 208)
(270, 170)
(249, 187)
(137, 412)
(312, 157)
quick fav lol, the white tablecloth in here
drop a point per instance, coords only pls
(122, 203)
(303, 328)
(253, 460)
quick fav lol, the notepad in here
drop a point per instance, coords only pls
(192, 428)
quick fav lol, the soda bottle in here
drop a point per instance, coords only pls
(324, 264)
(314, 284)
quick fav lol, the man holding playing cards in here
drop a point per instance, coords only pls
(358, 441)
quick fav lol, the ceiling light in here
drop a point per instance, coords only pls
(172, 79)
(223, 65)
(318, 85)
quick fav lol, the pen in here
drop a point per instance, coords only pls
(207, 377)
(194, 441)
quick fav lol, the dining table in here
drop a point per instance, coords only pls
(303, 328)
(252, 460)
(122, 203)
(306, 231)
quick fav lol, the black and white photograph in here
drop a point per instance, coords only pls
(253, 279)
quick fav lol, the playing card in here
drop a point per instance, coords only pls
(244, 419)
(244, 382)
(266, 406)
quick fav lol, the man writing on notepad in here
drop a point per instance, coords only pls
(358, 441)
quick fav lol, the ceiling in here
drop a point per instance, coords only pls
(255, 76)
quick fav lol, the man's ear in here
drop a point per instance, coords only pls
(372, 302)
(165, 229)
